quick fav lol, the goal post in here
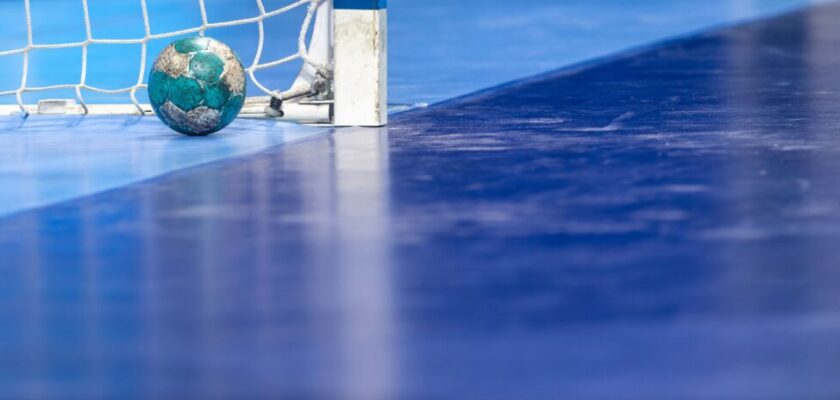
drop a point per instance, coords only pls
(341, 47)
(361, 68)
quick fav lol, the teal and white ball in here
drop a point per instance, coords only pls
(197, 86)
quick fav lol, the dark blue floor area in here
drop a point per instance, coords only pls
(662, 226)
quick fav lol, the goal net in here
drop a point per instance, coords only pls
(331, 40)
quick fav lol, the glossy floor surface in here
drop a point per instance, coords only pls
(662, 225)
(438, 50)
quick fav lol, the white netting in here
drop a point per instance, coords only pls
(312, 66)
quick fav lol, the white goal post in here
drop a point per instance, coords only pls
(342, 79)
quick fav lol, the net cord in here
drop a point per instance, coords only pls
(256, 65)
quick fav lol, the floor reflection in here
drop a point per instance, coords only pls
(193, 287)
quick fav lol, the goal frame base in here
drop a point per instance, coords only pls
(315, 112)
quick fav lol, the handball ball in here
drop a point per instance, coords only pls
(197, 86)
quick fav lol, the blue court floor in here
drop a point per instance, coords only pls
(440, 49)
(649, 213)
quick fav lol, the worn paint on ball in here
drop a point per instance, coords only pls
(197, 86)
